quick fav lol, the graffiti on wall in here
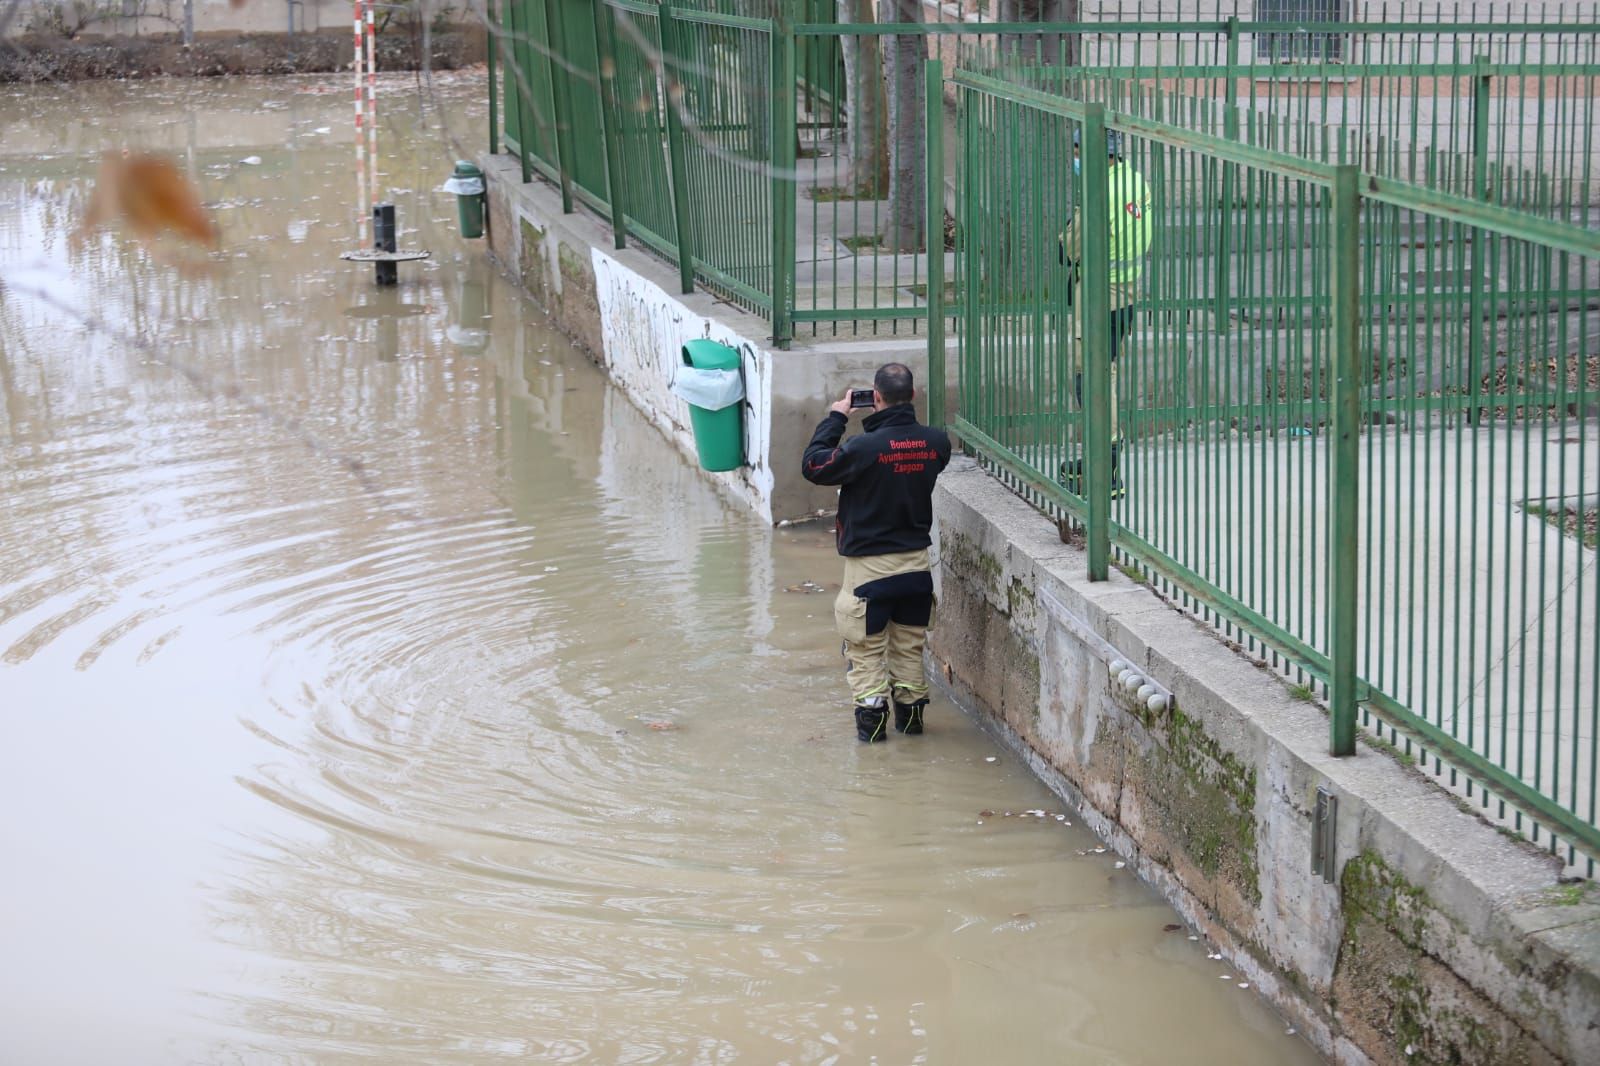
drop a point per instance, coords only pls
(644, 329)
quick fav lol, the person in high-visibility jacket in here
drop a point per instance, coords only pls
(1130, 226)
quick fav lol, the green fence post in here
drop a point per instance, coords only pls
(1344, 534)
(1230, 129)
(1480, 191)
(933, 142)
(561, 97)
(782, 177)
(672, 78)
(494, 93)
(970, 281)
(522, 77)
(1096, 355)
(610, 133)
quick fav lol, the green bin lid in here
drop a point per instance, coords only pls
(465, 169)
(709, 355)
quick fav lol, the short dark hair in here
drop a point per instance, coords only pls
(893, 382)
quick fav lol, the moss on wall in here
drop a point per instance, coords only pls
(1203, 799)
(1393, 995)
(531, 261)
(963, 557)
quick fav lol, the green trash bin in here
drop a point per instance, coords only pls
(467, 184)
(718, 433)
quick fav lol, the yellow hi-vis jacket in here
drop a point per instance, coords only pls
(1131, 227)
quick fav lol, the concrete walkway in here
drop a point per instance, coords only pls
(1475, 611)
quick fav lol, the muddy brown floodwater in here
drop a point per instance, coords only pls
(377, 685)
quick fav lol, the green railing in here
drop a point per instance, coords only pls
(1379, 476)
(691, 112)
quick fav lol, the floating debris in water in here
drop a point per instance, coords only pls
(805, 586)
(989, 758)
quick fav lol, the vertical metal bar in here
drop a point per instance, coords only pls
(561, 90)
(1096, 290)
(782, 178)
(933, 109)
(972, 279)
(1480, 188)
(671, 76)
(610, 125)
(489, 57)
(522, 78)
(1343, 543)
(1230, 130)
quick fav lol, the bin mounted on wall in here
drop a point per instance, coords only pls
(710, 380)
(467, 184)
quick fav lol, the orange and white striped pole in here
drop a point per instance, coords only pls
(363, 207)
(372, 103)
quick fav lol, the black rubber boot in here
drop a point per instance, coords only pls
(908, 717)
(872, 724)
(1069, 475)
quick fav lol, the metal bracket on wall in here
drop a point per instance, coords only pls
(1153, 694)
(1323, 834)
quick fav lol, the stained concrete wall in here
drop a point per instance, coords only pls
(625, 309)
(1438, 940)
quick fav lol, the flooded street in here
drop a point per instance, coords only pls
(377, 685)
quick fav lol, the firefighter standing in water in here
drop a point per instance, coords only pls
(885, 476)
(1130, 227)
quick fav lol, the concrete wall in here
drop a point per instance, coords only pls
(1438, 940)
(625, 309)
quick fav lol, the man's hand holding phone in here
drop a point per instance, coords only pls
(854, 399)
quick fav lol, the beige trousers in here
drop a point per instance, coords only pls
(1121, 297)
(890, 660)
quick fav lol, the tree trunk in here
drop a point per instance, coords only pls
(866, 130)
(1028, 57)
(1044, 49)
(907, 137)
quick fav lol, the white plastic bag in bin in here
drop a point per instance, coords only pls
(463, 186)
(710, 390)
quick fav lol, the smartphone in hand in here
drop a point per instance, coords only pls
(860, 398)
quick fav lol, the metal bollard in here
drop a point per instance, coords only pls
(383, 240)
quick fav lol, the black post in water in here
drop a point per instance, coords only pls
(383, 241)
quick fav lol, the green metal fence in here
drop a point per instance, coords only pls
(1383, 475)
(692, 111)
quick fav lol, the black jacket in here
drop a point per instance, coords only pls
(886, 475)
